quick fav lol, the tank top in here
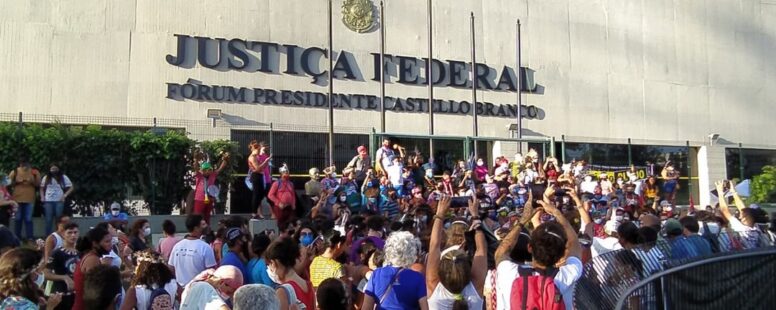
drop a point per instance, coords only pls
(59, 241)
(305, 297)
(441, 298)
(78, 279)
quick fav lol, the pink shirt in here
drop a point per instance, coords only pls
(265, 172)
(282, 192)
(165, 246)
(199, 190)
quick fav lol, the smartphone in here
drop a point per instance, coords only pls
(459, 202)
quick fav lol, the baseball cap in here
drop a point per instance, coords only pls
(361, 148)
(206, 166)
(233, 234)
(672, 227)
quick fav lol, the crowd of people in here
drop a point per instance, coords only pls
(386, 234)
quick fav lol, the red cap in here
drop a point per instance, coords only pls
(361, 149)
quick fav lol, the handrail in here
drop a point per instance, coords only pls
(713, 259)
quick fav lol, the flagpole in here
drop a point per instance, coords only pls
(331, 89)
(382, 67)
(519, 74)
(430, 78)
(474, 85)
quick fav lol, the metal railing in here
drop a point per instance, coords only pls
(626, 276)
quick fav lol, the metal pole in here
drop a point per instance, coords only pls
(740, 162)
(331, 89)
(519, 90)
(630, 154)
(552, 146)
(689, 171)
(430, 78)
(382, 66)
(563, 149)
(474, 86)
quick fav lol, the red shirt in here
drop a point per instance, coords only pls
(307, 298)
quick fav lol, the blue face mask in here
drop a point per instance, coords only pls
(307, 239)
(372, 200)
(382, 188)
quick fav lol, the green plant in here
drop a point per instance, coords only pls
(106, 164)
(763, 186)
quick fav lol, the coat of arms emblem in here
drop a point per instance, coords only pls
(357, 15)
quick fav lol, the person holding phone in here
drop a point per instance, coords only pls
(258, 162)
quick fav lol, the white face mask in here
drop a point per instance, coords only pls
(114, 212)
(273, 276)
(147, 231)
(114, 240)
(343, 198)
(618, 218)
(39, 280)
(598, 221)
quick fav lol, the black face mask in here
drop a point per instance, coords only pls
(100, 251)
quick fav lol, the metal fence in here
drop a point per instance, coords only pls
(620, 275)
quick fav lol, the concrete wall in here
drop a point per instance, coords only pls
(651, 70)
(86, 223)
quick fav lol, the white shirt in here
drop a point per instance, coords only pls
(190, 257)
(143, 294)
(567, 276)
(604, 245)
(395, 175)
(441, 298)
(54, 191)
(588, 187)
(201, 295)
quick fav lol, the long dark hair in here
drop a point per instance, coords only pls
(60, 176)
(17, 267)
(86, 243)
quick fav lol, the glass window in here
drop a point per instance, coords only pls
(753, 162)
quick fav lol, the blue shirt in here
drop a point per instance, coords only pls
(407, 290)
(257, 273)
(109, 217)
(231, 259)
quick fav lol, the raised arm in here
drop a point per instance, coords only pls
(573, 248)
(224, 162)
(736, 198)
(480, 260)
(434, 251)
(723, 206)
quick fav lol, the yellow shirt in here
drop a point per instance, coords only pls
(323, 268)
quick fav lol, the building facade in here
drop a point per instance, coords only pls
(619, 82)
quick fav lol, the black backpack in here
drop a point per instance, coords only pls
(712, 238)
(160, 299)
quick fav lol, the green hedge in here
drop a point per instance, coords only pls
(105, 164)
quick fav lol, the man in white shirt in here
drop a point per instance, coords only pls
(191, 255)
(569, 250)
(396, 174)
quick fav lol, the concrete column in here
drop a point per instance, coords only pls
(712, 166)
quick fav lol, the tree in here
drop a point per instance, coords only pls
(763, 186)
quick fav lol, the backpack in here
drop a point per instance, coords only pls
(532, 291)
(712, 238)
(160, 299)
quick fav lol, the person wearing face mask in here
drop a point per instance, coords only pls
(282, 255)
(55, 188)
(606, 185)
(480, 170)
(372, 200)
(588, 186)
(428, 179)
(114, 213)
(326, 266)
(257, 266)
(140, 232)
(350, 188)
(20, 273)
(61, 266)
(237, 242)
(94, 247)
(205, 179)
(283, 198)
(212, 289)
